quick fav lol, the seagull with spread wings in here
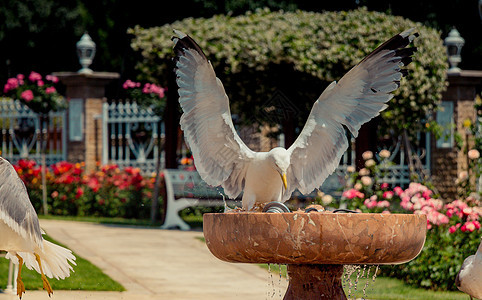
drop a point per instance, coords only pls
(222, 158)
(21, 236)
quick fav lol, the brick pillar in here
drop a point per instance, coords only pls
(447, 163)
(85, 93)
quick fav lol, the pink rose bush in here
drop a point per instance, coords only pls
(453, 227)
(147, 95)
(36, 93)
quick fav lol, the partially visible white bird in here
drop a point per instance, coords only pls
(223, 159)
(21, 236)
(469, 278)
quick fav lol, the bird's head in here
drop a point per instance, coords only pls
(281, 161)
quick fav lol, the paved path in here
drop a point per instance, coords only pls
(155, 264)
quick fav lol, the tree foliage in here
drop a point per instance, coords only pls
(37, 35)
(298, 53)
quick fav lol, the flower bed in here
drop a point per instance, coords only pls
(453, 227)
(107, 191)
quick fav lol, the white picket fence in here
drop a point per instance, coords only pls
(131, 136)
(21, 135)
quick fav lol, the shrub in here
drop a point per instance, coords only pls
(278, 48)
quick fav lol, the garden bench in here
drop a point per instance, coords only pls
(187, 189)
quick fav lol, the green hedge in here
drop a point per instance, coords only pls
(253, 53)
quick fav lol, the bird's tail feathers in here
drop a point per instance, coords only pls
(56, 260)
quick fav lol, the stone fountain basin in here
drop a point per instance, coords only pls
(315, 238)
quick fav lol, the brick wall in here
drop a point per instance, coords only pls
(448, 163)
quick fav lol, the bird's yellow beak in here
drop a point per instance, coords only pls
(285, 183)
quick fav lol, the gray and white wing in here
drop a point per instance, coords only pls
(15, 207)
(358, 97)
(220, 156)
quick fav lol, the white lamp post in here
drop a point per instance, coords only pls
(86, 53)
(454, 43)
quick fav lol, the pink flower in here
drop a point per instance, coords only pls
(366, 180)
(383, 203)
(20, 77)
(442, 219)
(429, 226)
(157, 90)
(452, 229)
(40, 83)
(476, 224)
(12, 83)
(388, 194)
(146, 89)
(350, 194)
(34, 76)
(27, 95)
(384, 185)
(367, 155)
(398, 190)
(370, 204)
(52, 78)
(469, 226)
(464, 175)
(370, 163)
(79, 192)
(473, 154)
(426, 194)
(50, 90)
(130, 84)
(384, 153)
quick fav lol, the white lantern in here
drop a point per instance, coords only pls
(454, 43)
(86, 53)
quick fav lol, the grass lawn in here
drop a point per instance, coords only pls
(386, 288)
(86, 277)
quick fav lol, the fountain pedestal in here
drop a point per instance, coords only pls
(315, 246)
(311, 282)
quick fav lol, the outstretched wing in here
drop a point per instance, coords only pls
(220, 155)
(15, 208)
(359, 96)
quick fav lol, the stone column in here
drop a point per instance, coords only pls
(448, 161)
(85, 94)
